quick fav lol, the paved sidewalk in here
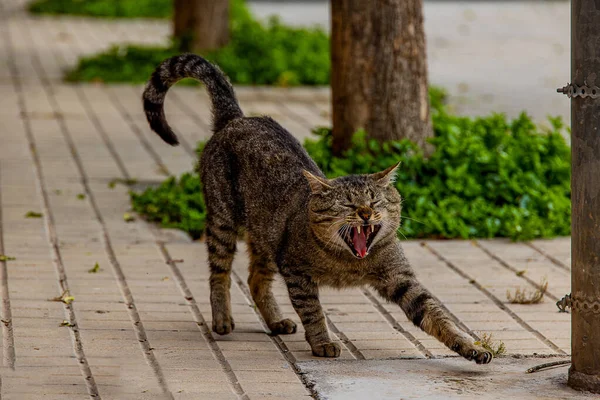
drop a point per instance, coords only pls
(139, 328)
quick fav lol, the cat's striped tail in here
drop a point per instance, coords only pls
(225, 106)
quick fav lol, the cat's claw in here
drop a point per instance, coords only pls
(479, 356)
(330, 349)
(223, 326)
(283, 327)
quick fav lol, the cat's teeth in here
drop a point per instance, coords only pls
(358, 229)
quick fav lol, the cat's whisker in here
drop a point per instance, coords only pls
(413, 219)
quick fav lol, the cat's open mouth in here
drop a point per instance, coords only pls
(359, 238)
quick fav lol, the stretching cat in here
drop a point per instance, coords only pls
(312, 230)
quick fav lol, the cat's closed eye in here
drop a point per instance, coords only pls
(374, 203)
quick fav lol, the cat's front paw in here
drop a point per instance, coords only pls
(473, 352)
(330, 349)
(223, 324)
(283, 327)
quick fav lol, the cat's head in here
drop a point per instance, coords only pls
(352, 213)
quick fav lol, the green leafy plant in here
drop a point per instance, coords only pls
(497, 348)
(487, 177)
(104, 8)
(176, 203)
(258, 53)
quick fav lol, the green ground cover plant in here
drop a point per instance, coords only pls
(262, 53)
(487, 177)
(104, 8)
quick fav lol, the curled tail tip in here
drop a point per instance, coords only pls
(155, 115)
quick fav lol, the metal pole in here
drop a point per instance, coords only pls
(584, 373)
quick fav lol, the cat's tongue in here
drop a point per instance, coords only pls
(360, 242)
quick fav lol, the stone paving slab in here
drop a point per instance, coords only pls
(139, 328)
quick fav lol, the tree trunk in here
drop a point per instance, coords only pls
(379, 71)
(201, 24)
(584, 373)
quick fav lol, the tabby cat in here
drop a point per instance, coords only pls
(312, 230)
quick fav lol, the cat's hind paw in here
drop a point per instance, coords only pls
(283, 327)
(330, 349)
(223, 325)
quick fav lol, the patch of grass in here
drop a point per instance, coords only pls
(497, 348)
(33, 214)
(525, 296)
(104, 8)
(6, 258)
(264, 53)
(487, 177)
(81, 196)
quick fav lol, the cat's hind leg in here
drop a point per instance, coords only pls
(222, 222)
(260, 282)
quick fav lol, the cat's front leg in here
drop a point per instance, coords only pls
(428, 314)
(304, 295)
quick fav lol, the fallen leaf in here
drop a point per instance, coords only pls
(81, 196)
(6, 258)
(127, 217)
(65, 297)
(94, 270)
(67, 323)
(128, 182)
(33, 214)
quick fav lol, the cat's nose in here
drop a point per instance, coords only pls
(365, 213)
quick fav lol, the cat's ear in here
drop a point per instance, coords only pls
(384, 178)
(317, 184)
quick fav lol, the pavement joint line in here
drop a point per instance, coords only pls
(354, 351)
(8, 340)
(496, 301)
(184, 143)
(396, 325)
(550, 257)
(181, 104)
(138, 326)
(277, 341)
(136, 130)
(512, 269)
(48, 218)
(199, 318)
(284, 108)
(195, 117)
